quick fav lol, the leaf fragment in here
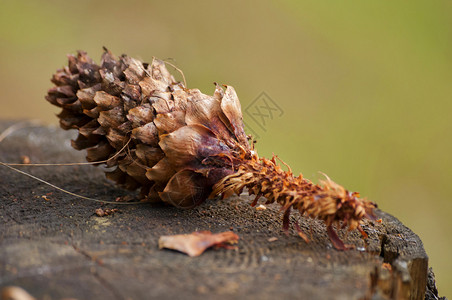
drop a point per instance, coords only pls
(196, 243)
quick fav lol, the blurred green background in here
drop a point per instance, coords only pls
(364, 86)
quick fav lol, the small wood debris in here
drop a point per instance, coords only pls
(105, 212)
(261, 207)
(272, 239)
(15, 293)
(386, 266)
(125, 198)
(196, 243)
(25, 159)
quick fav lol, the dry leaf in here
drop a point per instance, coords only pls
(196, 243)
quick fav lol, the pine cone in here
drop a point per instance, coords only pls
(179, 145)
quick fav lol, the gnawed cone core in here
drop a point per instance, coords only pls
(179, 145)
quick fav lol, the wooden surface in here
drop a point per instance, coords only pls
(59, 248)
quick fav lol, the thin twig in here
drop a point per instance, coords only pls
(8, 131)
(65, 191)
(179, 70)
(16, 126)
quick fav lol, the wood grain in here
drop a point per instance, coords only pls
(59, 248)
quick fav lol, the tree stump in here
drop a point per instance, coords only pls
(55, 246)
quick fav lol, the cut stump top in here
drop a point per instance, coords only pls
(54, 245)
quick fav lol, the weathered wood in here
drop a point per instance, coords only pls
(59, 247)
